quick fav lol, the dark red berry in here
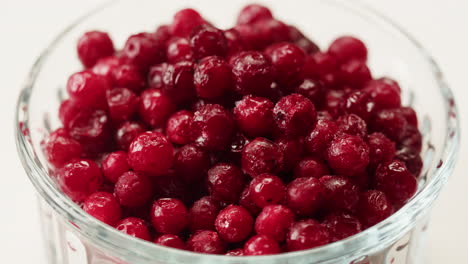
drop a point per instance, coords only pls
(266, 189)
(234, 41)
(94, 45)
(178, 49)
(352, 124)
(306, 234)
(178, 82)
(261, 156)
(134, 227)
(169, 216)
(272, 31)
(390, 122)
(155, 107)
(410, 116)
(274, 221)
(126, 132)
(253, 13)
(348, 155)
(287, 60)
(305, 195)
(225, 182)
(143, 50)
(319, 138)
(207, 242)
(127, 76)
(310, 167)
(384, 93)
(156, 76)
(355, 73)
(163, 33)
(412, 160)
(254, 115)
(67, 111)
(203, 213)
(212, 77)
(381, 149)
(261, 245)
(411, 139)
(341, 193)
(312, 89)
(347, 48)
(335, 102)
(252, 73)
(245, 201)
(307, 45)
(122, 103)
(114, 165)
(325, 63)
(185, 21)
(191, 163)
(171, 186)
(373, 208)
(88, 89)
(105, 66)
(360, 103)
(235, 252)
(79, 178)
(169, 240)
(294, 115)
(179, 126)
(133, 189)
(104, 207)
(207, 40)
(234, 223)
(341, 225)
(60, 148)
(292, 149)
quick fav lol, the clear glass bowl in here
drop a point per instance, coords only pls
(73, 237)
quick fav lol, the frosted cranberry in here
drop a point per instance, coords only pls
(341, 193)
(235, 252)
(155, 107)
(207, 242)
(272, 31)
(412, 160)
(341, 225)
(133, 189)
(151, 153)
(374, 207)
(234, 223)
(274, 221)
(169, 240)
(347, 48)
(213, 127)
(348, 155)
(312, 89)
(104, 207)
(266, 189)
(293, 150)
(60, 148)
(360, 103)
(305, 195)
(234, 41)
(352, 124)
(207, 40)
(310, 167)
(88, 89)
(163, 33)
(294, 115)
(254, 115)
(252, 73)
(245, 201)
(225, 182)
(381, 149)
(143, 50)
(306, 234)
(396, 181)
(178, 82)
(122, 103)
(91, 129)
(126, 132)
(156, 75)
(325, 63)
(178, 128)
(178, 49)
(410, 116)
(253, 13)
(384, 93)
(106, 66)
(185, 21)
(319, 138)
(261, 156)
(335, 102)
(212, 77)
(287, 60)
(390, 122)
(355, 73)
(114, 165)
(134, 227)
(128, 76)
(68, 109)
(202, 214)
(169, 216)
(191, 163)
(261, 245)
(307, 45)
(92, 46)
(80, 178)
(411, 139)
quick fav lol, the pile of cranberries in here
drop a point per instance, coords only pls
(246, 141)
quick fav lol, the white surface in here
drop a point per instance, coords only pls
(27, 26)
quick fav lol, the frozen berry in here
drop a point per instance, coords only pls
(253, 13)
(384, 93)
(353, 125)
(341, 225)
(178, 49)
(80, 178)
(348, 155)
(341, 193)
(306, 234)
(212, 77)
(266, 189)
(252, 73)
(234, 223)
(134, 227)
(287, 60)
(178, 82)
(169, 240)
(185, 21)
(94, 45)
(114, 165)
(225, 182)
(178, 128)
(254, 115)
(360, 103)
(143, 50)
(355, 73)
(312, 89)
(169, 216)
(234, 41)
(156, 75)
(374, 207)
(346, 48)
(127, 76)
(207, 242)
(191, 163)
(390, 122)
(261, 245)
(310, 167)
(381, 149)
(203, 213)
(163, 33)
(88, 89)
(410, 115)
(412, 160)
(133, 189)
(68, 109)
(319, 138)
(104, 207)
(122, 103)
(245, 201)
(155, 107)
(274, 221)
(61, 148)
(294, 115)
(126, 132)
(91, 129)
(292, 149)
(335, 102)
(272, 31)
(106, 66)
(261, 156)
(411, 139)
(208, 41)
(305, 195)
(307, 45)
(394, 179)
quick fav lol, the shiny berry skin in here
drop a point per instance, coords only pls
(155, 107)
(261, 156)
(412, 160)
(126, 132)
(203, 213)
(411, 139)
(178, 49)
(384, 93)
(104, 207)
(156, 75)
(245, 200)
(287, 60)
(151, 153)
(234, 223)
(178, 128)
(134, 227)
(105, 66)
(60, 148)
(191, 163)
(212, 77)
(143, 50)
(122, 103)
(133, 189)
(390, 122)
(127, 76)
(225, 182)
(185, 21)
(312, 89)
(396, 181)
(319, 138)
(305, 196)
(306, 234)
(79, 178)
(355, 73)
(293, 150)
(274, 221)
(253, 13)
(68, 109)
(341, 225)
(373, 208)
(114, 165)
(163, 33)
(381, 149)
(310, 167)
(207, 242)
(294, 115)
(261, 245)
(178, 82)
(92, 46)
(169, 216)
(235, 252)
(208, 41)
(169, 240)
(341, 193)
(88, 89)
(410, 116)
(254, 115)
(348, 155)
(213, 127)
(347, 48)
(252, 72)
(353, 125)
(234, 41)
(266, 189)
(360, 103)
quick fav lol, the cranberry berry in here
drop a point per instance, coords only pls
(294, 115)
(342, 225)
(319, 138)
(114, 165)
(274, 221)
(134, 227)
(122, 103)
(381, 149)
(253, 13)
(155, 107)
(394, 179)
(261, 245)
(341, 193)
(373, 207)
(128, 76)
(353, 125)
(207, 242)
(310, 167)
(208, 41)
(191, 163)
(390, 122)
(203, 213)
(126, 132)
(80, 178)
(307, 234)
(88, 89)
(143, 50)
(261, 156)
(385, 93)
(185, 21)
(225, 182)
(305, 196)
(266, 189)
(172, 241)
(348, 155)
(133, 189)
(254, 115)
(169, 216)
(178, 49)
(234, 223)
(178, 82)
(287, 60)
(61, 148)
(212, 77)
(253, 73)
(94, 45)
(104, 207)
(178, 128)
(347, 48)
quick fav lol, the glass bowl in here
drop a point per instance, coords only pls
(73, 237)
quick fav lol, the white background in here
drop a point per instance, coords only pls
(26, 27)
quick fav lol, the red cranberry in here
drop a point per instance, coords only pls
(394, 179)
(91, 129)
(360, 103)
(294, 115)
(412, 160)
(234, 153)
(156, 75)
(252, 73)
(261, 245)
(341, 225)
(163, 33)
(207, 242)
(373, 208)
(324, 115)
(325, 63)
(105, 66)
(348, 155)
(347, 48)
(134, 227)
(320, 137)
(411, 139)
(306, 234)
(261, 156)
(307, 45)
(185, 21)
(234, 41)
(126, 132)
(94, 45)
(341, 193)
(234, 223)
(292, 149)
(235, 252)
(169, 216)
(287, 60)
(208, 41)
(143, 50)
(245, 201)
(384, 93)
(213, 127)
(310, 167)
(272, 31)
(104, 207)
(61, 148)
(352, 124)
(225, 182)
(274, 221)
(390, 122)
(410, 116)
(355, 73)
(254, 115)
(253, 13)
(178, 49)
(266, 189)
(212, 77)
(114, 165)
(169, 240)
(305, 195)
(67, 111)
(155, 107)
(128, 76)
(381, 149)
(178, 82)
(133, 189)
(202, 214)
(122, 103)
(314, 90)
(191, 163)
(80, 178)
(251, 37)
(88, 89)
(178, 128)
(151, 153)
(335, 102)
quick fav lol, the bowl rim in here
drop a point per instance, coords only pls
(111, 239)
